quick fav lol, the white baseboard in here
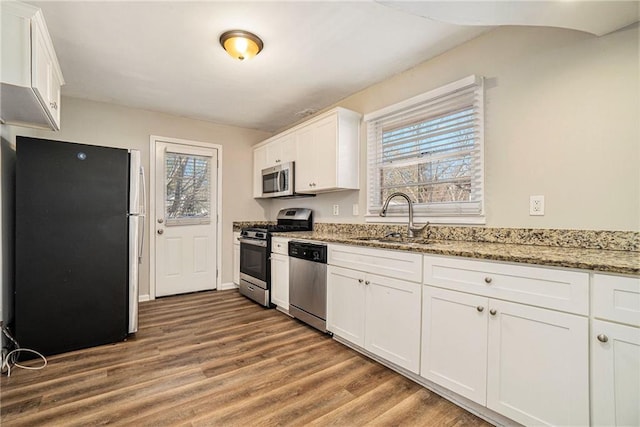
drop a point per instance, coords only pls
(143, 298)
(228, 285)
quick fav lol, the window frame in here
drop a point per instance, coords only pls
(373, 167)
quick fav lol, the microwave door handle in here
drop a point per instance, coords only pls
(281, 181)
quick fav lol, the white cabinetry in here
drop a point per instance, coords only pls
(259, 163)
(31, 76)
(282, 149)
(379, 313)
(328, 153)
(325, 150)
(536, 369)
(615, 351)
(280, 273)
(236, 258)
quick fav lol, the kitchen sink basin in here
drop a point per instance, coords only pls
(395, 240)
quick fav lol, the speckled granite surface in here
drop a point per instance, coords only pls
(604, 251)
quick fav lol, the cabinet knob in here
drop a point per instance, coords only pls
(53, 105)
(360, 280)
(367, 282)
(488, 280)
(602, 338)
(493, 311)
(480, 308)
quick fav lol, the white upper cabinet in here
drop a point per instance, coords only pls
(281, 150)
(328, 153)
(325, 150)
(31, 76)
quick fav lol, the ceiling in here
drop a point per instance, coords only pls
(165, 56)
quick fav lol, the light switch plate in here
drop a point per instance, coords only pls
(336, 209)
(355, 210)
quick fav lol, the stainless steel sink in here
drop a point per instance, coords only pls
(394, 240)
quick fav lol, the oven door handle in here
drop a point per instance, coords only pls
(252, 242)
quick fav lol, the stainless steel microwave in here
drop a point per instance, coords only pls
(277, 181)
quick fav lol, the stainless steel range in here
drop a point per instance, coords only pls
(255, 249)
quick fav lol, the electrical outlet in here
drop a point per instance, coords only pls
(536, 205)
(356, 210)
(336, 209)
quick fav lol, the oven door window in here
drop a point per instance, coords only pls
(253, 261)
(270, 183)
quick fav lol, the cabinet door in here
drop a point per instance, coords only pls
(281, 150)
(280, 280)
(259, 163)
(345, 304)
(306, 160)
(392, 320)
(538, 369)
(44, 82)
(325, 139)
(615, 374)
(454, 341)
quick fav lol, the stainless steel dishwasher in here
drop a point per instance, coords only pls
(308, 283)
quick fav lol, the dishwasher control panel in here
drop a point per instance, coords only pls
(309, 251)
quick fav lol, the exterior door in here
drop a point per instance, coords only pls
(186, 216)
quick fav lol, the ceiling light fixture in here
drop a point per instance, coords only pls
(241, 44)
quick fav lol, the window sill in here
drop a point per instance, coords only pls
(470, 220)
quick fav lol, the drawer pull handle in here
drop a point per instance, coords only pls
(360, 280)
(488, 280)
(480, 308)
(603, 338)
(493, 311)
(367, 282)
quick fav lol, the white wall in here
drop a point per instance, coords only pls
(562, 120)
(115, 126)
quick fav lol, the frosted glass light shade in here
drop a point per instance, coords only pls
(241, 44)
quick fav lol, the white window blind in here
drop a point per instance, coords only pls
(431, 148)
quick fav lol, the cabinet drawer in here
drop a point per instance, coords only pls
(617, 298)
(544, 287)
(399, 265)
(280, 245)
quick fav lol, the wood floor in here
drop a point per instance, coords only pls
(215, 358)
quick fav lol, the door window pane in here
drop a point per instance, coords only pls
(187, 189)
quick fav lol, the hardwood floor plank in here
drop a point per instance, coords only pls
(216, 358)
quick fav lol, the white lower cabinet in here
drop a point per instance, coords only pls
(615, 374)
(345, 304)
(526, 363)
(538, 365)
(280, 280)
(454, 341)
(615, 351)
(378, 313)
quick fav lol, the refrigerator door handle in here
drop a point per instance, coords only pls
(142, 215)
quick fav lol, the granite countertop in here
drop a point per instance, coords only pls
(602, 260)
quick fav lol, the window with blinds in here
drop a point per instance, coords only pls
(188, 192)
(431, 148)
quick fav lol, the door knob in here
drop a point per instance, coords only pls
(160, 220)
(160, 231)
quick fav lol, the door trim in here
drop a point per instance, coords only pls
(153, 140)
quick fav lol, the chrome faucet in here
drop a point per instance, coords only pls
(411, 229)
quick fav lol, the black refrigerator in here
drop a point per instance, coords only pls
(78, 244)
